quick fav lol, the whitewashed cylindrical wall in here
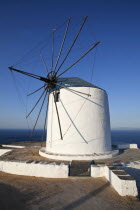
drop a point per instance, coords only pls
(85, 122)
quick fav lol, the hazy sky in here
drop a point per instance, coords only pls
(23, 24)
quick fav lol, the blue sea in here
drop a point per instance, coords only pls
(13, 135)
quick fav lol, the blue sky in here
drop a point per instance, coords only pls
(23, 24)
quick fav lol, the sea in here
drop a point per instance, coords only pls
(14, 135)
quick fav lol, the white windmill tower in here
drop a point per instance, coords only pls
(77, 114)
(82, 130)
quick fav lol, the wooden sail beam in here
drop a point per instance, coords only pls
(30, 75)
(52, 48)
(72, 43)
(36, 103)
(79, 58)
(46, 116)
(41, 56)
(39, 113)
(62, 45)
(36, 90)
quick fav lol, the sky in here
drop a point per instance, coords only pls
(28, 24)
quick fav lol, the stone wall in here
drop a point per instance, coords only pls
(122, 182)
(35, 168)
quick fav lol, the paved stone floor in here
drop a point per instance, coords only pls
(21, 192)
(31, 152)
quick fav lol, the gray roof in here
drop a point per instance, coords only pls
(74, 82)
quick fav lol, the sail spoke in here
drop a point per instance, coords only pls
(73, 122)
(36, 103)
(79, 58)
(39, 113)
(53, 31)
(36, 90)
(62, 45)
(46, 116)
(51, 81)
(42, 58)
(30, 75)
(72, 43)
(58, 118)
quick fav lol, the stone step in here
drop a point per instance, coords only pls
(80, 168)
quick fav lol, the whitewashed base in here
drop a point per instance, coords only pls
(125, 146)
(47, 170)
(56, 156)
(13, 146)
(123, 187)
(4, 151)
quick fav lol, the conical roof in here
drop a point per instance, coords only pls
(74, 82)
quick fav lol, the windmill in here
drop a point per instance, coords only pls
(77, 114)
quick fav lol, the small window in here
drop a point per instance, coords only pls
(57, 96)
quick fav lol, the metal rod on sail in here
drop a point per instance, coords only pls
(36, 103)
(79, 58)
(71, 90)
(58, 118)
(36, 90)
(30, 75)
(72, 43)
(39, 114)
(73, 122)
(52, 48)
(41, 56)
(45, 118)
(62, 45)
